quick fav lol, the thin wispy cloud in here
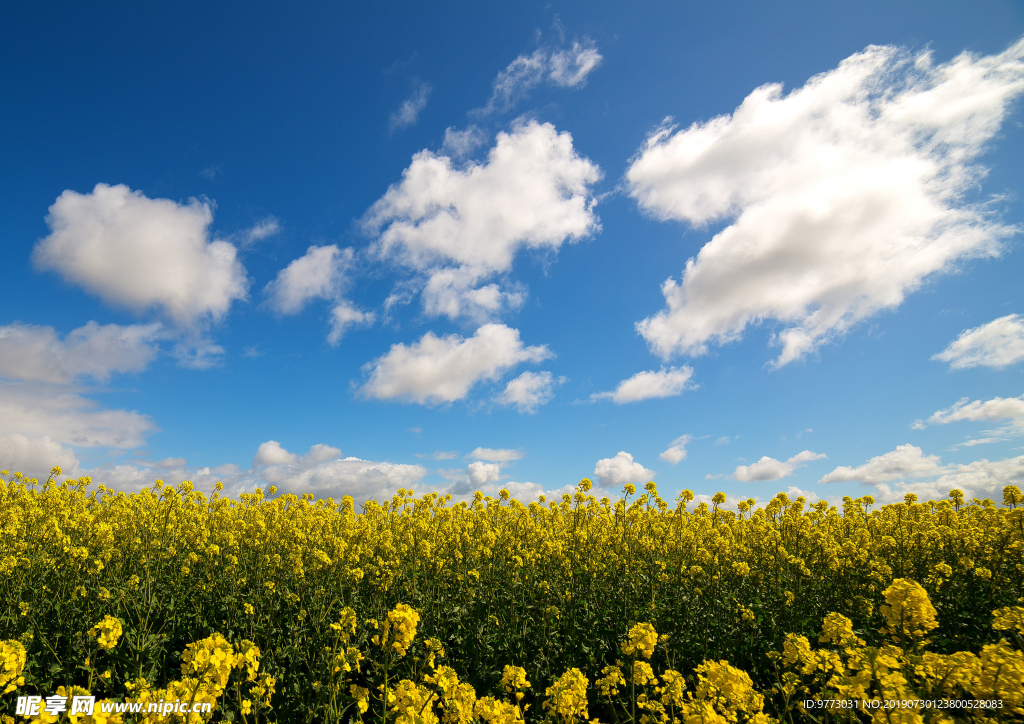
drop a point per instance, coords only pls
(411, 107)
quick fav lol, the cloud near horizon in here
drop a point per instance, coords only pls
(768, 468)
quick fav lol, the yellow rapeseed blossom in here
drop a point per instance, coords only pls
(567, 697)
(413, 704)
(403, 621)
(12, 664)
(641, 641)
(1009, 618)
(908, 611)
(106, 632)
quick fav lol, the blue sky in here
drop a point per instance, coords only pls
(345, 250)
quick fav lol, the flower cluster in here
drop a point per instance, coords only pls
(900, 670)
(106, 632)
(12, 664)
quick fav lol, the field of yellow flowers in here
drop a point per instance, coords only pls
(417, 610)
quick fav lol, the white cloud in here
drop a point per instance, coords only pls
(443, 369)
(677, 450)
(998, 408)
(927, 478)
(439, 455)
(1000, 343)
(564, 68)
(129, 478)
(459, 144)
(271, 453)
(35, 456)
(325, 473)
(321, 273)
(35, 353)
(409, 111)
(264, 229)
(67, 417)
(140, 253)
(906, 461)
(983, 477)
(343, 317)
(529, 391)
(771, 469)
(496, 455)
(809, 495)
(318, 274)
(569, 68)
(621, 469)
(841, 197)
(481, 473)
(649, 385)
(458, 226)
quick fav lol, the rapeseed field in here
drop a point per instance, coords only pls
(419, 611)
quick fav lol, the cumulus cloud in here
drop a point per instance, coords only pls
(621, 469)
(529, 391)
(436, 369)
(321, 273)
(271, 453)
(998, 408)
(323, 472)
(649, 385)
(840, 198)
(907, 470)
(344, 317)
(67, 417)
(999, 344)
(982, 477)
(771, 469)
(36, 353)
(410, 109)
(128, 477)
(677, 450)
(34, 456)
(481, 473)
(459, 144)
(561, 67)
(906, 461)
(318, 274)
(457, 226)
(496, 455)
(142, 253)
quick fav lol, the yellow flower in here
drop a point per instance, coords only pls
(838, 629)
(362, 697)
(642, 639)
(643, 674)
(403, 620)
(908, 611)
(12, 664)
(413, 704)
(106, 632)
(567, 698)
(513, 679)
(1011, 617)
